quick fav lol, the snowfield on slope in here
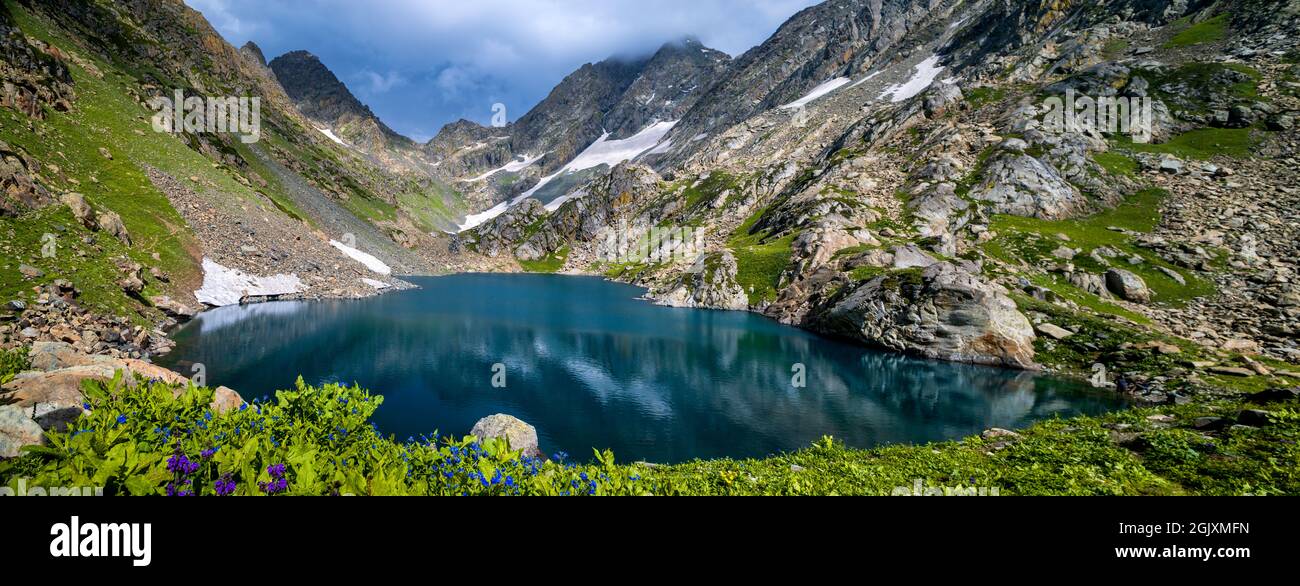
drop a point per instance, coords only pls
(372, 263)
(224, 286)
(926, 72)
(817, 92)
(514, 166)
(602, 152)
(330, 134)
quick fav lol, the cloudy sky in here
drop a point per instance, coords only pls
(420, 64)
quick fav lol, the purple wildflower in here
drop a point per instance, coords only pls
(275, 486)
(225, 486)
(180, 464)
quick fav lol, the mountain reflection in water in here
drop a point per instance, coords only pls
(590, 365)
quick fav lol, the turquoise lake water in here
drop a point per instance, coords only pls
(591, 365)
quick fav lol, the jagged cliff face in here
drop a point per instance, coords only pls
(614, 99)
(667, 87)
(835, 39)
(320, 96)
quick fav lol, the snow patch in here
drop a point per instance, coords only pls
(608, 152)
(926, 72)
(601, 152)
(865, 79)
(817, 92)
(474, 220)
(511, 167)
(330, 134)
(559, 201)
(663, 147)
(224, 286)
(370, 261)
(378, 285)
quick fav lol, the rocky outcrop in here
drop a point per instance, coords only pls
(1022, 185)
(521, 436)
(1127, 286)
(50, 396)
(17, 430)
(710, 283)
(501, 234)
(253, 54)
(817, 244)
(943, 312)
(32, 74)
(19, 190)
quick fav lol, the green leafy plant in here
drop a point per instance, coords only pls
(13, 362)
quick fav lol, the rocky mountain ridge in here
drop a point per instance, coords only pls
(321, 97)
(934, 153)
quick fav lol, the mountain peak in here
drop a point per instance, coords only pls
(320, 95)
(253, 53)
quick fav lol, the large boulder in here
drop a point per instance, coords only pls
(80, 209)
(48, 356)
(1127, 286)
(225, 399)
(1022, 185)
(54, 399)
(172, 308)
(111, 223)
(711, 283)
(519, 435)
(942, 312)
(17, 430)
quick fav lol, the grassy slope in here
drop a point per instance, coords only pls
(551, 263)
(1207, 31)
(103, 116)
(1033, 240)
(106, 116)
(759, 263)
